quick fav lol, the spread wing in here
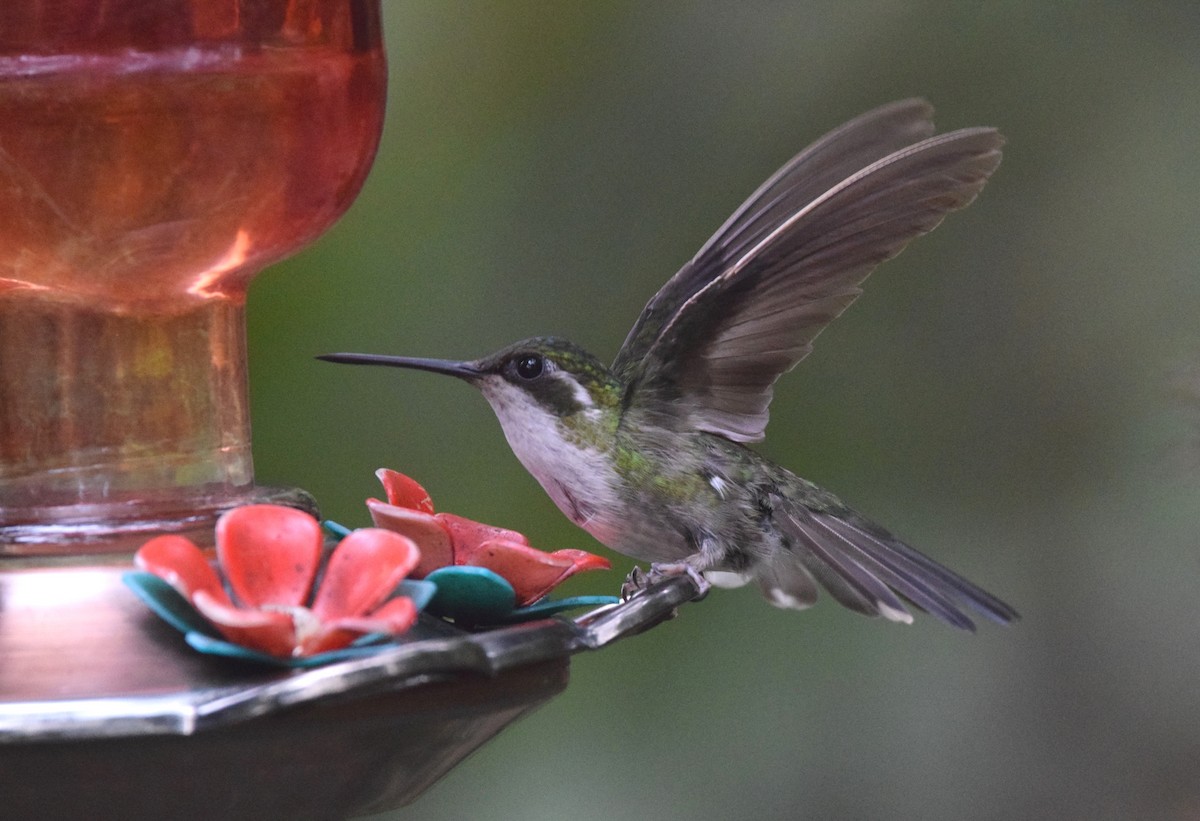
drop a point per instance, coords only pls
(708, 347)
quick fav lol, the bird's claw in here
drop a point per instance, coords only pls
(638, 579)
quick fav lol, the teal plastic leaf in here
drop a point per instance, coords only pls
(548, 607)
(219, 647)
(421, 591)
(472, 595)
(167, 603)
(334, 529)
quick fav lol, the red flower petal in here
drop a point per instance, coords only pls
(363, 571)
(404, 491)
(532, 573)
(431, 538)
(181, 564)
(272, 632)
(582, 560)
(269, 553)
(395, 617)
(468, 535)
(328, 637)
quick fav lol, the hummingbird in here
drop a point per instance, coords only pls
(649, 454)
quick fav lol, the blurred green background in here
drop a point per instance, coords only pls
(1015, 394)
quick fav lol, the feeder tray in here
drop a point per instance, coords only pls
(104, 712)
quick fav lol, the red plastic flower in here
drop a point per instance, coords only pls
(270, 555)
(446, 539)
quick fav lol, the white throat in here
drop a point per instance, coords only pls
(577, 477)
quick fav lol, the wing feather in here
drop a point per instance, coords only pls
(806, 176)
(710, 346)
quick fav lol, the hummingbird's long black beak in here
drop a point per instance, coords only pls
(463, 370)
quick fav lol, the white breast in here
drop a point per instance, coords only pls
(579, 479)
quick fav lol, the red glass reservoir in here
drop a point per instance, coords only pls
(154, 156)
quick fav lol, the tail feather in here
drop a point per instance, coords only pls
(786, 584)
(883, 546)
(870, 571)
(838, 570)
(906, 581)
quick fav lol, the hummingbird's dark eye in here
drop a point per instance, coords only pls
(531, 366)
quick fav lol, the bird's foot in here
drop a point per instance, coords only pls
(638, 579)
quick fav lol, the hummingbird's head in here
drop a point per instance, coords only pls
(542, 375)
(557, 404)
(553, 375)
